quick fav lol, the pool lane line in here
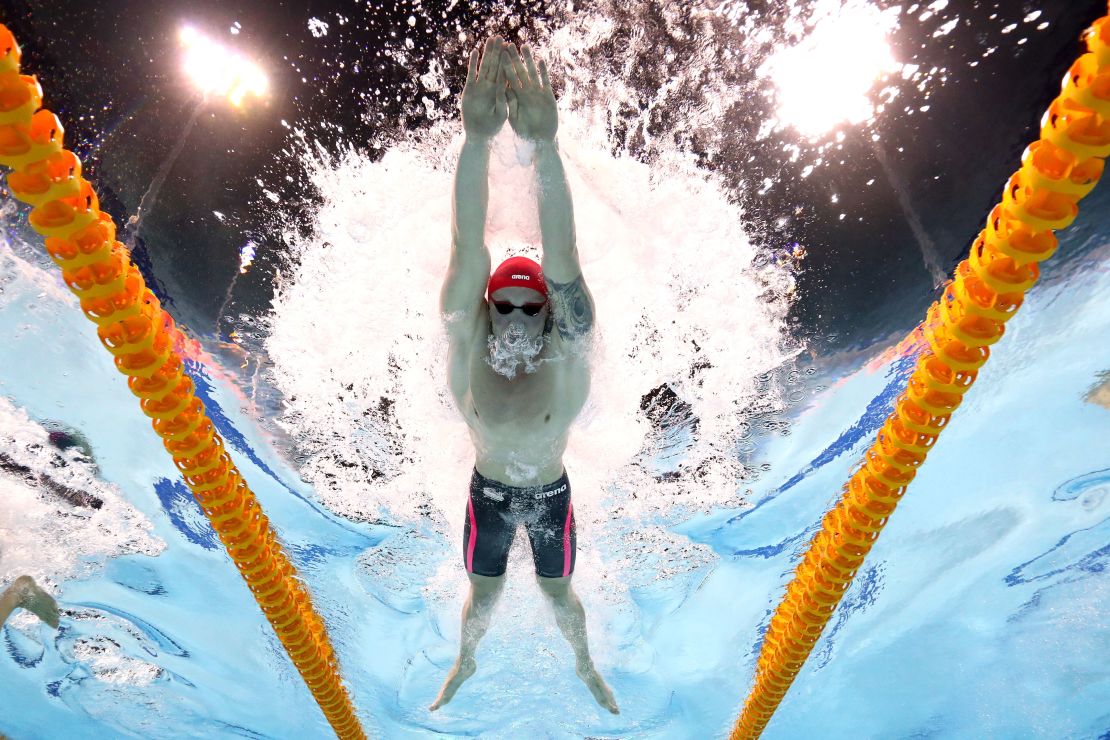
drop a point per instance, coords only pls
(986, 291)
(143, 339)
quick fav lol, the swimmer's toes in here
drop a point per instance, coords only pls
(605, 699)
(603, 695)
(462, 670)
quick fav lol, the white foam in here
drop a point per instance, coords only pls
(42, 535)
(359, 352)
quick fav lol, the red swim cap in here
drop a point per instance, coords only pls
(517, 272)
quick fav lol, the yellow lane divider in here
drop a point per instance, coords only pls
(81, 240)
(987, 290)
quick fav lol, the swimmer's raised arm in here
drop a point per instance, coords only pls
(534, 115)
(483, 112)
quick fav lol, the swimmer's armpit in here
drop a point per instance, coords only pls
(574, 309)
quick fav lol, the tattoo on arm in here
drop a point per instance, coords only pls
(573, 308)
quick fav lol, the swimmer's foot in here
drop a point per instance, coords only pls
(1100, 394)
(464, 668)
(597, 686)
(35, 600)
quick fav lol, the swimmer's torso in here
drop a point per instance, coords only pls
(519, 427)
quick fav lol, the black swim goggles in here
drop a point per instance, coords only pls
(505, 308)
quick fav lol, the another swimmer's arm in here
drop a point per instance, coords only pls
(25, 593)
(73, 496)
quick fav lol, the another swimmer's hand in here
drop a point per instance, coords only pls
(532, 110)
(35, 600)
(484, 106)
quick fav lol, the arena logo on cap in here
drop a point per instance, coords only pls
(522, 277)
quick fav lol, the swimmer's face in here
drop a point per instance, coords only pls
(517, 321)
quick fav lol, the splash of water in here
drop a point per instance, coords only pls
(359, 350)
(514, 350)
(47, 537)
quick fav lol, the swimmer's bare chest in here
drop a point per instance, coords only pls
(520, 426)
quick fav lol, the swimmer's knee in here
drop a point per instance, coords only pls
(486, 584)
(554, 586)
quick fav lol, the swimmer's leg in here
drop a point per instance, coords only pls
(25, 593)
(476, 614)
(571, 618)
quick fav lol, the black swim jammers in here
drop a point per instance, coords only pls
(493, 512)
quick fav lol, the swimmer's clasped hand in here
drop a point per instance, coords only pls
(484, 105)
(532, 109)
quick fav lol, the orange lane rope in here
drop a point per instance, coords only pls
(140, 335)
(987, 290)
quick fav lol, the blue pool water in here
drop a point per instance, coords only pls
(980, 612)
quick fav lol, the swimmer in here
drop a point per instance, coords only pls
(61, 438)
(25, 593)
(516, 362)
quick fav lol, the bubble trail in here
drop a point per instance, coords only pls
(921, 236)
(135, 223)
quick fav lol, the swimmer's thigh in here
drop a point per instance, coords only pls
(487, 536)
(553, 537)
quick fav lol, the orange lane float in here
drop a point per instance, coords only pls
(986, 291)
(140, 335)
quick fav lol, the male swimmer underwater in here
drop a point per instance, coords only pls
(517, 364)
(24, 593)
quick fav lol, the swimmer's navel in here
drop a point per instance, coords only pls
(547, 418)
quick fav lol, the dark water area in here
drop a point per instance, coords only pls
(111, 71)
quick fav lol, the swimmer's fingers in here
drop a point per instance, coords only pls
(520, 72)
(472, 69)
(491, 59)
(531, 64)
(544, 77)
(508, 71)
(510, 94)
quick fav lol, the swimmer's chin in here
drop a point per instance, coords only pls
(508, 358)
(510, 371)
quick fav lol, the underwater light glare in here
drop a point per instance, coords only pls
(826, 79)
(246, 256)
(216, 69)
